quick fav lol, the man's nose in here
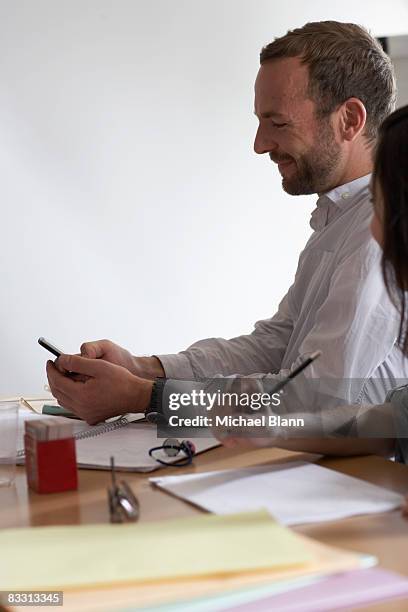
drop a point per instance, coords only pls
(263, 144)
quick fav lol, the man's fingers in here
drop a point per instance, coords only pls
(94, 350)
(60, 383)
(64, 401)
(59, 367)
(65, 390)
(81, 365)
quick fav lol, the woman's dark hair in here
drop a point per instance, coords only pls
(391, 178)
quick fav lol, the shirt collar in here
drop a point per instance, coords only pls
(338, 198)
(343, 194)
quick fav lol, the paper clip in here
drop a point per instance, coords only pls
(123, 504)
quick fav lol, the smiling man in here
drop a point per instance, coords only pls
(321, 94)
(296, 134)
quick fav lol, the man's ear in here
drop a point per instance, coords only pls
(352, 119)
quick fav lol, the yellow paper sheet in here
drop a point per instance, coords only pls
(326, 560)
(80, 556)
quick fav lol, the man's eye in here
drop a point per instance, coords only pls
(278, 125)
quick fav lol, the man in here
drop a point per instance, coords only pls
(321, 93)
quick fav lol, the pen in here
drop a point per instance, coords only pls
(296, 371)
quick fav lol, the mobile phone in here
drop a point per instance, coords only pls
(57, 352)
(50, 347)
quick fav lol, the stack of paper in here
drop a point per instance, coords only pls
(344, 591)
(186, 557)
(293, 492)
(59, 557)
(339, 592)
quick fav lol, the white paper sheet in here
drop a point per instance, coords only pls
(130, 446)
(293, 492)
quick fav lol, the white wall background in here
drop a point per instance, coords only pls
(133, 206)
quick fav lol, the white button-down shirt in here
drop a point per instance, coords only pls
(337, 304)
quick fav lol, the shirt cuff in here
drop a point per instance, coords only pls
(176, 366)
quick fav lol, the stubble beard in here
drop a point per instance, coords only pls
(315, 169)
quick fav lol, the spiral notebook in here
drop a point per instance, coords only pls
(128, 439)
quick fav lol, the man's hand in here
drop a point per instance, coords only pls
(145, 367)
(104, 389)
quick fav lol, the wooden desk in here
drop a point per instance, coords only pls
(383, 535)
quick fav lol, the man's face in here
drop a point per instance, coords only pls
(303, 146)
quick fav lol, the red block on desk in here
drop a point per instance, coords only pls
(51, 465)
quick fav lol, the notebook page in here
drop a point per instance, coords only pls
(128, 445)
